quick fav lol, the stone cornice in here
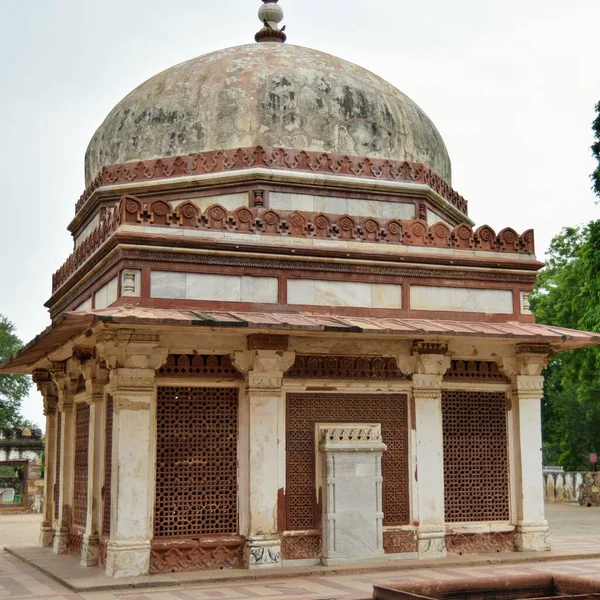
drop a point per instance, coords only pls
(133, 212)
(284, 159)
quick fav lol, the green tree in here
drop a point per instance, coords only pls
(567, 294)
(596, 151)
(13, 388)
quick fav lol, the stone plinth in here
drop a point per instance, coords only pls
(352, 497)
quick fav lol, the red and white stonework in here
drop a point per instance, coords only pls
(270, 248)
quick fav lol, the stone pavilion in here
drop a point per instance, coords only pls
(280, 339)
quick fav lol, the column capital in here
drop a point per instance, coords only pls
(529, 387)
(46, 386)
(426, 358)
(530, 359)
(131, 349)
(427, 387)
(96, 375)
(264, 368)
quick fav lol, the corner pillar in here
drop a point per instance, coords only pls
(429, 363)
(96, 377)
(49, 391)
(132, 358)
(264, 364)
(527, 391)
(66, 383)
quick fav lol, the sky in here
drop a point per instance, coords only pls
(510, 84)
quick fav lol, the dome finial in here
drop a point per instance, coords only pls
(270, 15)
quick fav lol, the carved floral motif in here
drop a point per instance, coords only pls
(133, 211)
(299, 547)
(399, 541)
(273, 158)
(478, 543)
(348, 367)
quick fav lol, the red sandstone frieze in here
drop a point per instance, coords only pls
(414, 232)
(286, 159)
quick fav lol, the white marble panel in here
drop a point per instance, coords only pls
(336, 206)
(204, 286)
(260, 289)
(461, 299)
(287, 201)
(365, 208)
(86, 305)
(433, 217)
(167, 284)
(87, 230)
(106, 295)
(398, 210)
(342, 293)
(301, 291)
(385, 295)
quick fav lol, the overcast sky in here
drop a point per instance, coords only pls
(510, 84)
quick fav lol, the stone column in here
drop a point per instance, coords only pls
(48, 389)
(352, 510)
(264, 364)
(428, 365)
(525, 371)
(132, 358)
(66, 382)
(96, 378)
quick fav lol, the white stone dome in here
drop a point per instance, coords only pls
(268, 95)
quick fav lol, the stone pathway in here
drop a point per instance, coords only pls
(19, 581)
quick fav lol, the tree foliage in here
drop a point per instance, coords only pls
(596, 151)
(13, 388)
(567, 294)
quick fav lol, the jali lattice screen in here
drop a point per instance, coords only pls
(196, 462)
(107, 493)
(304, 411)
(59, 416)
(82, 436)
(475, 456)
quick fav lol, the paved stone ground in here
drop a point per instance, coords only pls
(574, 527)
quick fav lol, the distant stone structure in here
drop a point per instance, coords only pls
(21, 450)
(575, 487)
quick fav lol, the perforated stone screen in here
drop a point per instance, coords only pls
(196, 462)
(107, 493)
(475, 456)
(82, 436)
(59, 418)
(304, 411)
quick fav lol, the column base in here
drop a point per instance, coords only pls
(128, 558)
(431, 543)
(264, 553)
(90, 550)
(46, 534)
(532, 537)
(61, 536)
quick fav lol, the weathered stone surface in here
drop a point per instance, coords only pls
(269, 95)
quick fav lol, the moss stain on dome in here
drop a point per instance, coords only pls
(269, 95)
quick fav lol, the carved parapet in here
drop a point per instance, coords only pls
(360, 438)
